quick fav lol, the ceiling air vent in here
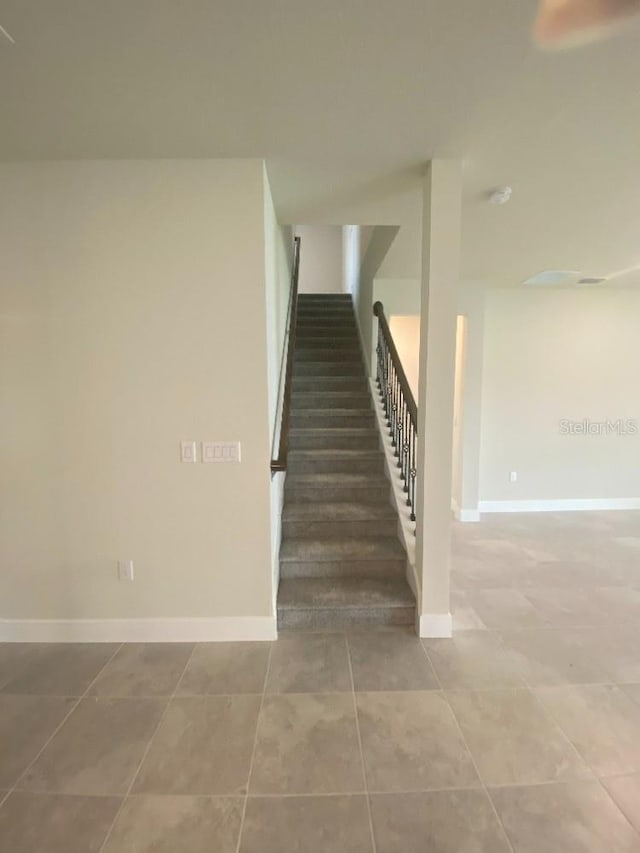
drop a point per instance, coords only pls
(587, 281)
(553, 277)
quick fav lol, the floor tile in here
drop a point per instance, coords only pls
(625, 792)
(472, 573)
(169, 824)
(26, 724)
(34, 823)
(438, 822)
(562, 656)
(60, 669)
(411, 742)
(474, 659)
(578, 817)
(15, 657)
(393, 661)
(505, 608)
(632, 690)
(464, 616)
(202, 746)
(601, 721)
(309, 663)
(307, 744)
(143, 669)
(98, 749)
(620, 653)
(337, 824)
(219, 668)
(513, 740)
(564, 606)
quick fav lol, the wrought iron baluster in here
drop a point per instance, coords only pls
(399, 406)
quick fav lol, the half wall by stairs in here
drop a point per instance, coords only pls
(341, 562)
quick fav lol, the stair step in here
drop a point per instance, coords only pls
(342, 603)
(325, 299)
(328, 342)
(328, 368)
(329, 384)
(337, 333)
(305, 322)
(325, 307)
(325, 316)
(335, 462)
(304, 400)
(338, 521)
(334, 438)
(348, 345)
(342, 354)
(341, 487)
(329, 418)
(349, 548)
(319, 294)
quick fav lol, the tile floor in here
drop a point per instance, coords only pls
(522, 734)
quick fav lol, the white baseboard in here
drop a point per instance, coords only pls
(563, 505)
(468, 515)
(464, 515)
(222, 629)
(435, 626)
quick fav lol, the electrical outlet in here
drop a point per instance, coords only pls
(513, 476)
(125, 570)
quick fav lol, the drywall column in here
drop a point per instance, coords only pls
(471, 306)
(439, 287)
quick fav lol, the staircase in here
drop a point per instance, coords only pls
(341, 562)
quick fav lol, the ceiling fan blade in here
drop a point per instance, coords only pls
(562, 22)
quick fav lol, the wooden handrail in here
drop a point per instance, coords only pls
(378, 310)
(280, 461)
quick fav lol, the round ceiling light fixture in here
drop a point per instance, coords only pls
(563, 23)
(501, 195)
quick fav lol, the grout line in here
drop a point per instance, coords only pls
(364, 769)
(146, 750)
(473, 761)
(253, 751)
(596, 777)
(79, 699)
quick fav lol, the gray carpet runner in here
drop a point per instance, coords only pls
(342, 564)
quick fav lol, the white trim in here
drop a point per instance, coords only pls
(277, 505)
(195, 630)
(435, 626)
(563, 505)
(464, 515)
(468, 515)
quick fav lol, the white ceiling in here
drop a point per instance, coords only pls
(346, 99)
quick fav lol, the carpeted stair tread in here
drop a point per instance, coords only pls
(336, 511)
(342, 564)
(350, 593)
(317, 550)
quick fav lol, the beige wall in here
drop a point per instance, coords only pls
(321, 269)
(132, 317)
(405, 332)
(550, 355)
(278, 263)
(404, 258)
(380, 239)
(400, 297)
